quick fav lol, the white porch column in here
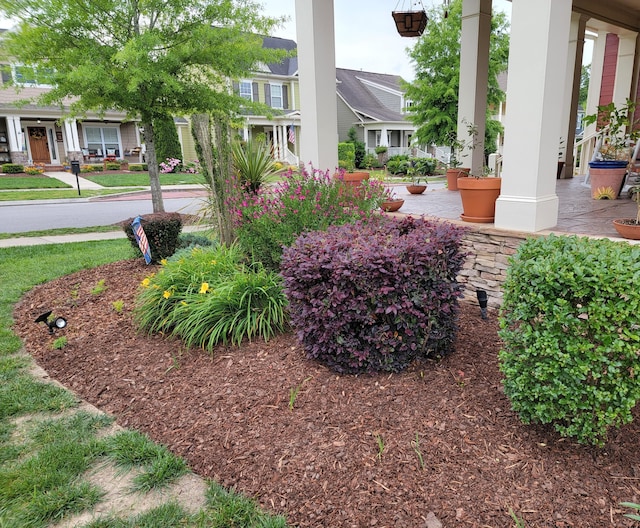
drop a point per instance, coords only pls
(384, 137)
(474, 75)
(317, 72)
(625, 68)
(71, 131)
(528, 201)
(14, 133)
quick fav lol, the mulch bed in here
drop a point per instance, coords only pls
(346, 454)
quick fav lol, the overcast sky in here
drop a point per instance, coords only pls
(366, 36)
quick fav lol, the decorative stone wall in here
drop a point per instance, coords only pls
(486, 265)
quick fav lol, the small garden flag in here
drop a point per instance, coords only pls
(141, 238)
(292, 135)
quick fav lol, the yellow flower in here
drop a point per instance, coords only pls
(166, 294)
(183, 303)
(145, 282)
(214, 262)
(204, 287)
(163, 262)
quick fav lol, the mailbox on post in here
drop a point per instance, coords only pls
(75, 169)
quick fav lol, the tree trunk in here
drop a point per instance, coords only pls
(152, 164)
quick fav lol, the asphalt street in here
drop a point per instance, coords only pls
(19, 217)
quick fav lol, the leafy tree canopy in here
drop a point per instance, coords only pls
(148, 58)
(436, 58)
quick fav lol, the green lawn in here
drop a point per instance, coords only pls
(31, 182)
(6, 196)
(61, 231)
(142, 178)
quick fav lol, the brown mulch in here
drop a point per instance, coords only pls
(319, 463)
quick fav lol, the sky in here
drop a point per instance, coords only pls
(366, 36)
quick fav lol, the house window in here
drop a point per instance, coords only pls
(246, 90)
(276, 96)
(99, 140)
(30, 76)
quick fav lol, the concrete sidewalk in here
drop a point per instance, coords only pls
(81, 237)
(70, 179)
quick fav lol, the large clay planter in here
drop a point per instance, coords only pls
(627, 228)
(453, 175)
(353, 181)
(604, 175)
(479, 197)
(416, 189)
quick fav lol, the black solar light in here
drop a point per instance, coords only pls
(482, 301)
(53, 324)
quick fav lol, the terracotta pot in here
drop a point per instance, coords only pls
(454, 174)
(479, 197)
(353, 181)
(627, 228)
(416, 189)
(390, 206)
(602, 177)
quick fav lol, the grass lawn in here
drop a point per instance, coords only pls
(45, 455)
(62, 231)
(31, 182)
(142, 178)
(7, 196)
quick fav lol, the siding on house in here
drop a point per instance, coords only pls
(609, 69)
(346, 120)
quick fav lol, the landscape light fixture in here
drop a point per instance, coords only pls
(482, 301)
(53, 324)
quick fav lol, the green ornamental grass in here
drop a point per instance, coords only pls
(207, 296)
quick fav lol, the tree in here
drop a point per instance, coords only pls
(436, 58)
(585, 78)
(166, 139)
(149, 58)
(359, 146)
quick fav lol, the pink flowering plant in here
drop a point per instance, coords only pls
(302, 201)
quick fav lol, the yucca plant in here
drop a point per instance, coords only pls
(253, 163)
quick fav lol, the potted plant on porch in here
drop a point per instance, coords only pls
(418, 171)
(609, 167)
(479, 191)
(454, 170)
(630, 227)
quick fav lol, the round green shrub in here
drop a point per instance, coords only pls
(12, 168)
(162, 231)
(374, 296)
(570, 324)
(112, 165)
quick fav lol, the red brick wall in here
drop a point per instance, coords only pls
(609, 69)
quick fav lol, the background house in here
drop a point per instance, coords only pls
(38, 134)
(375, 104)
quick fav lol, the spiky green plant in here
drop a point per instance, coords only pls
(253, 163)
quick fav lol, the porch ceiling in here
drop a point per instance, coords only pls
(622, 13)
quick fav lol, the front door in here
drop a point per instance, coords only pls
(39, 145)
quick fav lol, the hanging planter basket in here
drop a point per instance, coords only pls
(410, 23)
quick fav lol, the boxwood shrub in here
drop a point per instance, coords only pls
(570, 323)
(137, 167)
(374, 296)
(162, 231)
(12, 168)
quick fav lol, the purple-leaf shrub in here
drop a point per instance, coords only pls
(375, 295)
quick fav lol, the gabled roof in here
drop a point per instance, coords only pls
(357, 90)
(289, 66)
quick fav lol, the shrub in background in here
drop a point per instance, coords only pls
(273, 218)
(91, 168)
(569, 322)
(359, 148)
(137, 167)
(112, 165)
(12, 168)
(206, 296)
(374, 296)
(346, 156)
(162, 231)
(166, 140)
(191, 240)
